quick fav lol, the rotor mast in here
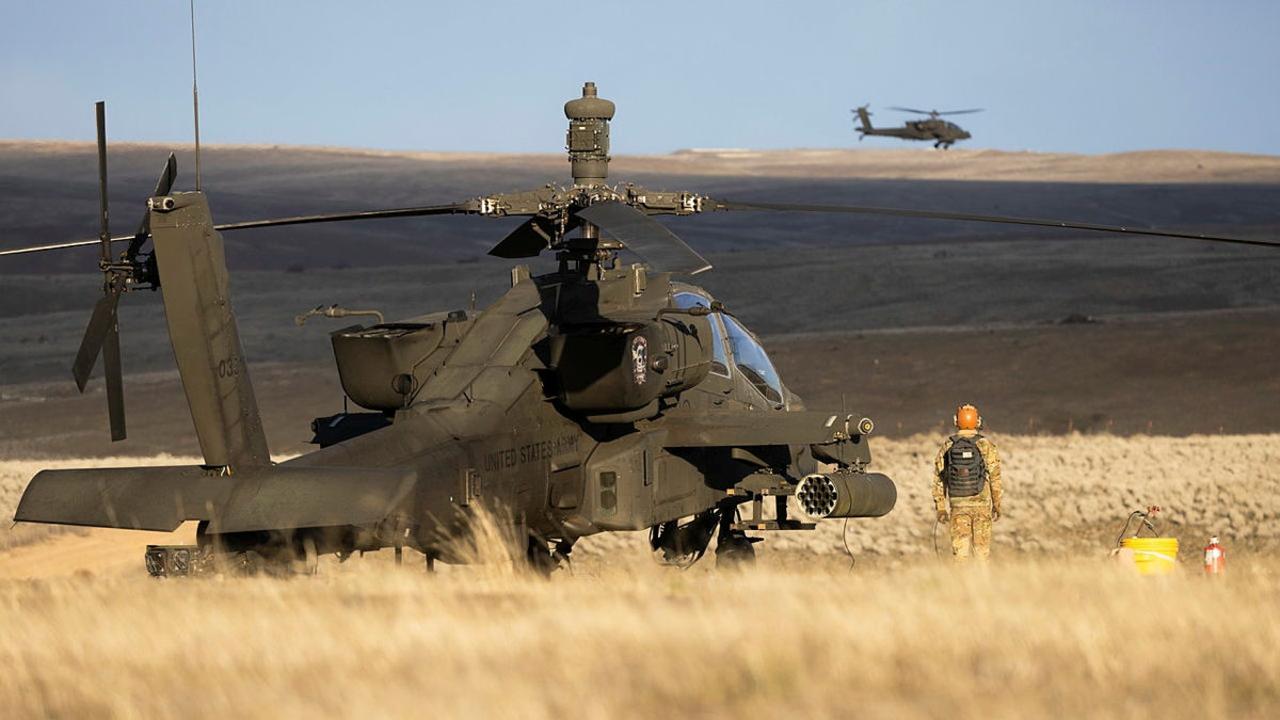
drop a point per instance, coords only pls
(587, 142)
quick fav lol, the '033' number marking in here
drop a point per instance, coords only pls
(229, 367)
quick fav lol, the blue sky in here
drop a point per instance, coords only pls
(1054, 76)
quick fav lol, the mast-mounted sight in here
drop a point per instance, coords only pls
(588, 138)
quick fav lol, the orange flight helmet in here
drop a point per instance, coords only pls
(967, 417)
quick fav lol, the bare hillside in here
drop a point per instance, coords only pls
(48, 193)
(901, 318)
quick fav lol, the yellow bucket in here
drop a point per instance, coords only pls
(1153, 556)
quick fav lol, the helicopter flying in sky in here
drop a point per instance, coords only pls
(943, 133)
(596, 397)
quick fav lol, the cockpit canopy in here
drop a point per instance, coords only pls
(734, 347)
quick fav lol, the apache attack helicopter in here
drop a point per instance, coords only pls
(943, 133)
(596, 397)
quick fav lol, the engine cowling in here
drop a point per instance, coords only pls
(381, 366)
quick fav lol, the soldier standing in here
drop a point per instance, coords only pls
(966, 486)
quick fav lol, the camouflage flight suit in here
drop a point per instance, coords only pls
(971, 517)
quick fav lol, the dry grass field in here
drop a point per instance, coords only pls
(1025, 639)
(1051, 628)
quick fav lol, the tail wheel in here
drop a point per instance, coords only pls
(308, 561)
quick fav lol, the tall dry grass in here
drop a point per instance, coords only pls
(1020, 640)
(1042, 632)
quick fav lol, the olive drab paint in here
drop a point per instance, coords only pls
(196, 289)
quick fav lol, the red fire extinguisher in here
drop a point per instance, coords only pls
(1215, 558)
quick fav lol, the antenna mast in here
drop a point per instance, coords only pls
(195, 91)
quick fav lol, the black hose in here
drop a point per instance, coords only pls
(844, 538)
(1146, 522)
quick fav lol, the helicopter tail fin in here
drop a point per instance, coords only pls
(864, 118)
(202, 329)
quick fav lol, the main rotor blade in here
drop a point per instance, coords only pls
(60, 246)
(101, 323)
(645, 237)
(529, 240)
(970, 217)
(452, 209)
(910, 110)
(960, 112)
(114, 377)
(164, 185)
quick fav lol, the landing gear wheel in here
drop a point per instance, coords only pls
(735, 551)
(680, 545)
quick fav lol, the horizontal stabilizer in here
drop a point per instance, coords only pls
(136, 498)
(162, 498)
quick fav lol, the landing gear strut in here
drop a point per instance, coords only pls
(545, 558)
(734, 549)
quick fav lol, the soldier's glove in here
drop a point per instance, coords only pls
(995, 514)
(942, 516)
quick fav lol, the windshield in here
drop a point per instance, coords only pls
(753, 362)
(719, 359)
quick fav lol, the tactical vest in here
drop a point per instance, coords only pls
(964, 471)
